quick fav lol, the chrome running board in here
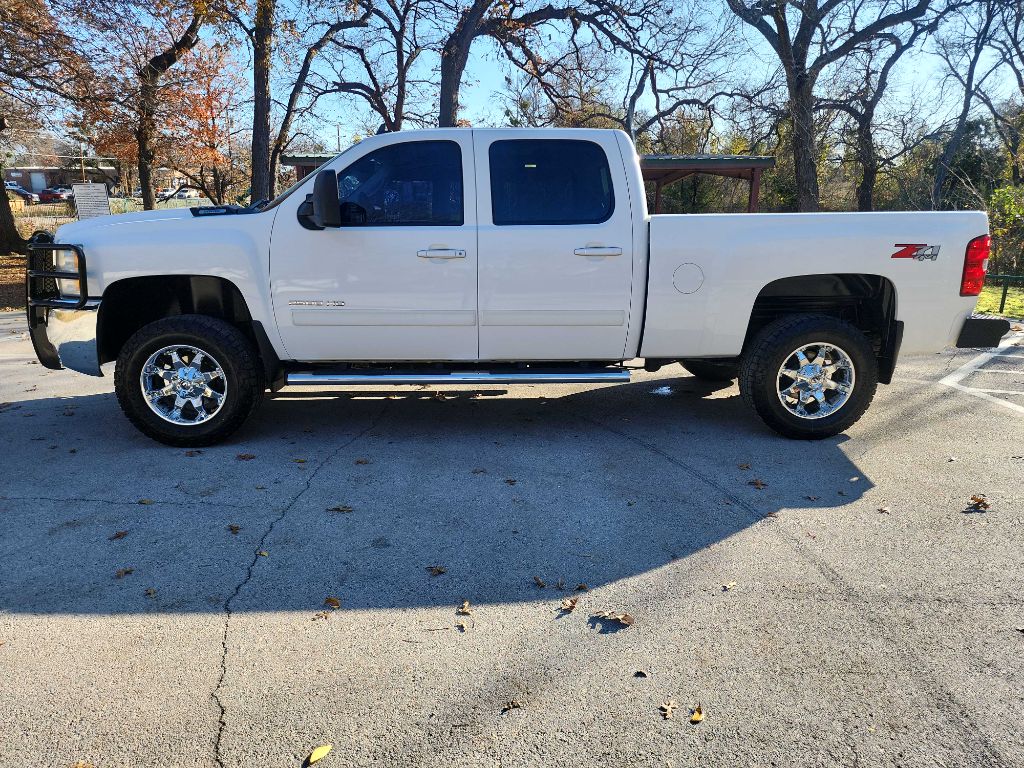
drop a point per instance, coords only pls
(614, 376)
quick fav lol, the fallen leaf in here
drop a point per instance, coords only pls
(190, 454)
(743, 466)
(539, 582)
(263, 553)
(569, 604)
(246, 456)
(362, 461)
(436, 570)
(461, 625)
(299, 461)
(979, 503)
(261, 487)
(581, 587)
(341, 508)
(332, 602)
(639, 673)
(509, 481)
(479, 471)
(696, 714)
(511, 705)
(122, 572)
(319, 615)
(668, 707)
(150, 592)
(884, 510)
(464, 609)
(622, 618)
(117, 535)
(145, 502)
(234, 528)
(318, 754)
(729, 586)
(811, 498)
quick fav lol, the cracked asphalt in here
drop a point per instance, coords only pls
(162, 607)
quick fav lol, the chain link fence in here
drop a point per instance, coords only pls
(49, 216)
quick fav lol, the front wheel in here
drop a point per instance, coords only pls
(189, 380)
(809, 376)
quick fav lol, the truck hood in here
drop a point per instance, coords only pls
(75, 230)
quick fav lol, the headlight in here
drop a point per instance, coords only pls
(67, 261)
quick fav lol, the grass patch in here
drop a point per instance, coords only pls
(988, 302)
(12, 282)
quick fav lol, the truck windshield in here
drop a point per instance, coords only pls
(288, 192)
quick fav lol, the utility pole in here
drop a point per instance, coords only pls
(338, 126)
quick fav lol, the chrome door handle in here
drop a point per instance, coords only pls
(610, 250)
(441, 253)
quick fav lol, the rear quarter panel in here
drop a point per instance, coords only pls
(706, 271)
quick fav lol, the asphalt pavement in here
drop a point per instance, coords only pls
(833, 603)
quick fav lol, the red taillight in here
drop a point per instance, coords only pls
(975, 264)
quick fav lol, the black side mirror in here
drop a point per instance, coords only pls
(326, 204)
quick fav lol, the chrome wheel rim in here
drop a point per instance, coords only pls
(816, 380)
(183, 385)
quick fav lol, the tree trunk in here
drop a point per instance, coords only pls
(10, 240)
(868, 163)
(805, 164)
(454, 58)
(144, 139)
(263, 41)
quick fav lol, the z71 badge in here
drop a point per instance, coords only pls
(919, 251)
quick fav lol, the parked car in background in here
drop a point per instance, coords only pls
(30, 198)
(54, 195)
(188, 194)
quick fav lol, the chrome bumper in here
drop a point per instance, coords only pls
(62, 328)
(66, 338)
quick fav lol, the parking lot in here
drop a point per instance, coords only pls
(836, 603)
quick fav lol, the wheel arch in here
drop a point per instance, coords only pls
(133, 302)
(867, 301)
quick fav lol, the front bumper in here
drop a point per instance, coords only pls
(62, 328)
(982, 332)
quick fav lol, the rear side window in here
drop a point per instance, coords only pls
(550, 181)
(415, 183)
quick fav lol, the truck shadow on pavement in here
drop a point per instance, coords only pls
(412, 500)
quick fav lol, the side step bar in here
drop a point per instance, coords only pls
(325, 378)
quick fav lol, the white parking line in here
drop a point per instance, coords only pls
(953, 380)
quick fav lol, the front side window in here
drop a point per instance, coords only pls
(550, 181)
(415, 183)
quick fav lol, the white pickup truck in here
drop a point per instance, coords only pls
(497, 257)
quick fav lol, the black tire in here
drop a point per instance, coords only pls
(776, 343)
(726, 369)
(225, 343)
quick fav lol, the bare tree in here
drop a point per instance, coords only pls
(963, 50)
(807, 37)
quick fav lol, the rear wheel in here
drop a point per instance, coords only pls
(809, 376)
(726, 369)
(189, 380)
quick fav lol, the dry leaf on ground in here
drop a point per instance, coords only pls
(696, 714)
(569, 604)
(234, 528)
(122, 572)
(436, 570)
(509, 481)
(150, 592)
(318, 754)
(539, 582)
(319, 615)
(479, 471)
(342, 508)
(117, 535)
(668, 707)
(263, 553)
(759, 484)
(299, 461)
(622, 618)
(743, 466)
(884, 510)
(729, 586)
(979, 503)
(581, 587)
(362, 461)
(246, 456)
(511, 705)
(332, 602)
(145, 502)
(464, 609)
(639, 673)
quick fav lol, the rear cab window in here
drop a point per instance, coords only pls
(549, 181)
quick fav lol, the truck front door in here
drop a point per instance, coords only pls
(555, 241)
(398, 280)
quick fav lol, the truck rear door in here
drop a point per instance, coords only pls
(555, 244)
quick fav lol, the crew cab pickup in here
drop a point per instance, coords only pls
(500, 256)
